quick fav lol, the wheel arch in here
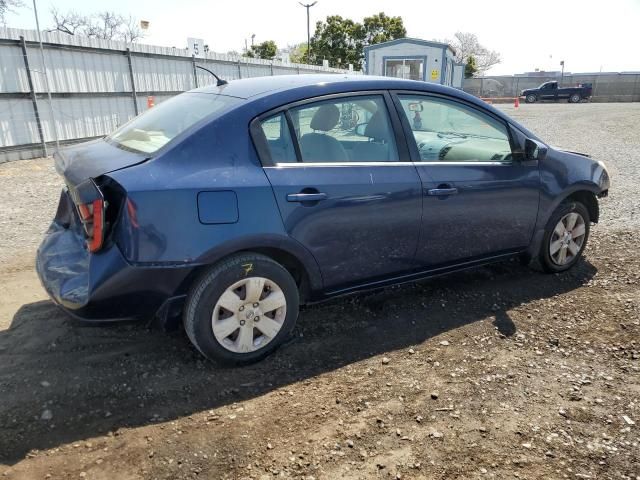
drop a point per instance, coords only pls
(589, 199)
(291, 255)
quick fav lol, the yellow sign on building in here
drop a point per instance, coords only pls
(435, 74)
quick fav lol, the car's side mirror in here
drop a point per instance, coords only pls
(534, 150)
(360, 129)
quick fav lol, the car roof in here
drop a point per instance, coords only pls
(283, 89)
(257, 86)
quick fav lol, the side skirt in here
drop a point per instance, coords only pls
(412, 277)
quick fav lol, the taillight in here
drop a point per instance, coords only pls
(92, 217)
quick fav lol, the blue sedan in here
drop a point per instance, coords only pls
(233, 204)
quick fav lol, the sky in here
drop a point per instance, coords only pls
(589, 36)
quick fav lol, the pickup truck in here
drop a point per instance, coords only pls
(551, 91)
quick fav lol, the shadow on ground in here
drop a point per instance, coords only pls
(93, 380)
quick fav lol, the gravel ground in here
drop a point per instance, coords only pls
(500, 372)
(607, 131)
(29, 192)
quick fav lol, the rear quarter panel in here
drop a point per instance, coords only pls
(161, 221)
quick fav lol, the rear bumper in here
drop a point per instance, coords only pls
(103, 286)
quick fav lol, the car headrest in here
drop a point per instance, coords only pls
(377, 127)
(325, 118)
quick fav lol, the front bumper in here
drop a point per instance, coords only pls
(103, 286)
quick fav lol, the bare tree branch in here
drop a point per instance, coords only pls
(131, 31)
(466, 44)
(105, 25)
(8, 6)
(69, 23)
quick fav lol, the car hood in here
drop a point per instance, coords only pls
(560, 149)
(80, 162)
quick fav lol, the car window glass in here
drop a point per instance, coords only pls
(156, 127)
(452, 132)
(352, 129)
(281, 147)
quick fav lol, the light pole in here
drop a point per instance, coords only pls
(308, 6)
(562, 74)
(46, 79)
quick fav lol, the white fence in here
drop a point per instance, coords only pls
(97, 85)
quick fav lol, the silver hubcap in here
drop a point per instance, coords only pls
(249, 314)
(567, 238)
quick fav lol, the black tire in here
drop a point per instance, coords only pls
(575, 98)
(531, 98)
(544, 256)
(208, 289)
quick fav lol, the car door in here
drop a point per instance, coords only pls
(548, 92)
(344, 183)
(479, 200)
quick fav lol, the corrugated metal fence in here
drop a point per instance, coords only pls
(97, 85)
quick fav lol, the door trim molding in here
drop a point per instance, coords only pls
(389, 164)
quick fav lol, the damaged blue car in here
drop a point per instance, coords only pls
(231, 205)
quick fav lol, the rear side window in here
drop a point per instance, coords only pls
(276, 131)
(347, 129)
(452, 132)
(152, 130)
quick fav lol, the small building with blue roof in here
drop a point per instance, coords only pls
(415, 59)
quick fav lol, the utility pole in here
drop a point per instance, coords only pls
(46, 78)
(562, 74)
(308, 6)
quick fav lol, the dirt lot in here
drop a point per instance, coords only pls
(502, 372)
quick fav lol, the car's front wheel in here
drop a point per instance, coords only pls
(565, 237)
(242, 309)
(531, 98)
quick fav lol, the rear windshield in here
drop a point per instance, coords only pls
(152, 130)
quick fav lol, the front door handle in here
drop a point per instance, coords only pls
(442, 191)
(306, 197)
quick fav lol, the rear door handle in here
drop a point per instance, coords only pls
(442, 191)
(306, 197)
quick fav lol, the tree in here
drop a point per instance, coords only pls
(381, 28)
(69, 23)
(266, 50)
(298, 53)
(470, 68)
(8, 6)
(341, 40)
(335, 40)
(105, 25)
(467, 44)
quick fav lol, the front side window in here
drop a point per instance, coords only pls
(452, 132)
(152, 130)
(349, 129)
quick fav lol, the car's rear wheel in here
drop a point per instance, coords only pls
(531, 98)
(575, 98)
(565, 237)
(242, 309)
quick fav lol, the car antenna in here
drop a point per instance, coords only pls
(220, 80)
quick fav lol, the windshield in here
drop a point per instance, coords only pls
(152, 130)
